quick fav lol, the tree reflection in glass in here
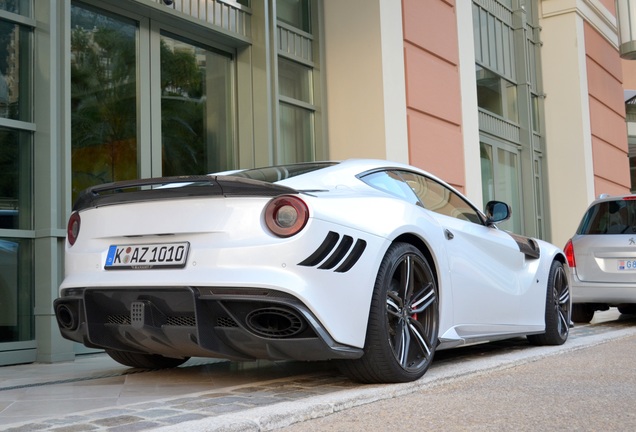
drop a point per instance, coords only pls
(103, 98)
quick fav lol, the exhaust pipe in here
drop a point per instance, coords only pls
(66, 317)
(275, 322)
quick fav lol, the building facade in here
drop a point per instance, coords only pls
(515, 100)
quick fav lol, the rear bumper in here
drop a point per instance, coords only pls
(611, 294)
(232, 323)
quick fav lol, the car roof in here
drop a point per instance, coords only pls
(607, 197)
(345, 172)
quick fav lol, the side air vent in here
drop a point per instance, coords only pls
(336, 253)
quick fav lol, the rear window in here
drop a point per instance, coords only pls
(610, 217)
(282, 172)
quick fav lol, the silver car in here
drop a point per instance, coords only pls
(602, 258)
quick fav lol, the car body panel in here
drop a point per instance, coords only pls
(604, 250)
(489, 288)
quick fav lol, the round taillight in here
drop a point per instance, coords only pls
(73, 228)
(286, 215)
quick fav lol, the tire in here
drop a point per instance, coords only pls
(145, 361)
(557, 309)
(582, 313)
(403, 321)
(627, 309)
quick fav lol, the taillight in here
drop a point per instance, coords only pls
(73, 228)
(569, 254)
(286, 215)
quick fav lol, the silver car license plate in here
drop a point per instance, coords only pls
(148, 256)
(626, 265)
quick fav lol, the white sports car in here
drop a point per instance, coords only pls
(370, 263)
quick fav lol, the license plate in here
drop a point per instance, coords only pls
(146, 257)
(626, 265)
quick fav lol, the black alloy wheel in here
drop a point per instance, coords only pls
(403, 320)
(558, 308)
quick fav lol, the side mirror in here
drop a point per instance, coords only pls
(497, 211)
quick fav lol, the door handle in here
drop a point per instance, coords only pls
(449, 235)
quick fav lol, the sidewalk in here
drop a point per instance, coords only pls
(95, 393)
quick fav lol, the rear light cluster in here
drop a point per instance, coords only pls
(73, 228)
(569, 254)
(286, 215)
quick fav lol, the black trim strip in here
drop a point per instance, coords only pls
(338, 254)
(323, 250)
(527, 245)
(353, 257)
(185, 186)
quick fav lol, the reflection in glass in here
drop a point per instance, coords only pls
(496, 95)
(294, 80)
(296, 134)
(508, 187)
(296, 13)
(14, 70)
(16, 290)
(487, 174)
(489, 91)
(22, 7)
(196, 119)
(15, 179)
(103, 98)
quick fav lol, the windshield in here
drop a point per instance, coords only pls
(610, 217)
(282, 172)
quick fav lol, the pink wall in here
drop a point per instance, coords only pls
(607, 115)
(433, 95)
(629, 74)
(609, 4)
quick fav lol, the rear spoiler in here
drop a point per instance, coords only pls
(174, 188)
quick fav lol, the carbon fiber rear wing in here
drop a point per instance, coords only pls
(161, 188)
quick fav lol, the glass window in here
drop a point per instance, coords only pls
(15, 179)
(15, 66)
(632, 171)
(282, 172)
(294, 80)
(487, 174)
(436, 197)
(296, 134)
(610, 217)
(496, 95)
(103, 98)
(507, 187)
(296, 13)
(21, 7)
(391, 183)
(16, 290)
(500, 181)
(196, 120)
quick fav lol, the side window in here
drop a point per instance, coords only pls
(392, 183)
(438, 198)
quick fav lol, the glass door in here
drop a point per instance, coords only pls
(104, 97)
(146, 102)
(196, 99)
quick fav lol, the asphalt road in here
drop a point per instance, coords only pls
(587, 384)
(590, 389)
